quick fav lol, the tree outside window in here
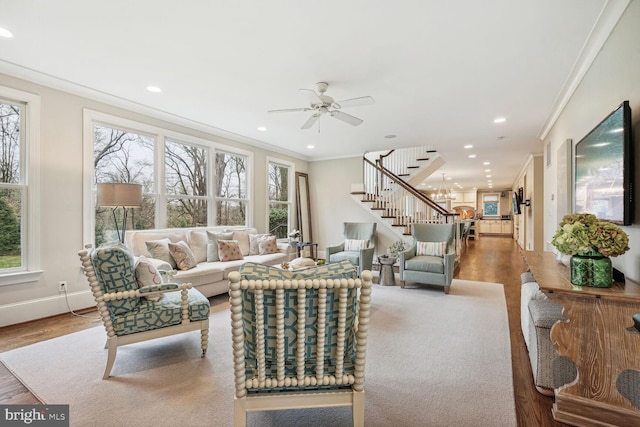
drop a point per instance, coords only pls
(11, 185)
(231, 189)
(279, 199)
(491, 204)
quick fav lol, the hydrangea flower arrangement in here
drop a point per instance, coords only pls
(584, 233)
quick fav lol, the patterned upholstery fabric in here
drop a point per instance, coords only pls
(431, 248)
(340, 270)
(252, 271)
(149, 315)
(355, 244)
(114, 267)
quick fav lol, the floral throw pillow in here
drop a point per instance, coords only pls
(159, 249)
(355, 245)
(146, 275)
(228, 250)
(267, 245)
(183, 255)
(431, 248)
(253, 243)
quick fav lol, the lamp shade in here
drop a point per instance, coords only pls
(119, 194)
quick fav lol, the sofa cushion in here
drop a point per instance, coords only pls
(228, 250)
(182, 255)
(198, 240)
(267, 245)
(352, 256)
(253, 243)
(137, 242)
(212, 245)
(147, 274)
(431, 248)
(209, 271)
(427, 264)
(355, 244)
(159, 249)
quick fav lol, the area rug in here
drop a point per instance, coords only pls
(432, 360)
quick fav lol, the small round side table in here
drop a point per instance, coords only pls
(387, 276)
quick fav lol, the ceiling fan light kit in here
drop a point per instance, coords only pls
(322, 104)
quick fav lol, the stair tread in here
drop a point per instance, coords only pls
(413, 167)
(422, 159)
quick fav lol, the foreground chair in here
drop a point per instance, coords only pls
(358, 245)
(127, 315)
(299, 343)
(431, 258)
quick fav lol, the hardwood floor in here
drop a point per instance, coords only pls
(489, 259)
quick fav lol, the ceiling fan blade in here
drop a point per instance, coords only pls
(354, 102)
(290, 110)
(310, 121)
(313, 97)
(347, 118)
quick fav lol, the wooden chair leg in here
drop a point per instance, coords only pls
(204, 338)
(446, 289)
(112, 345)
(358, 409)
(239, 412)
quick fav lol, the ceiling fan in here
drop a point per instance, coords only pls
(322, 104)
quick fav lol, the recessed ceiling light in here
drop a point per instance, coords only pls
(311, 147)
(391, 136)
(468, 146)
(262, 128)
(154, 89)
(449, 178)
(500, 120)
(487, 170)
(486, 163)
(472, 156)
(5, 33)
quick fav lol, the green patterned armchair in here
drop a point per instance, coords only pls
(358, 245)
(131, 313)
(299, 338)
(431, 258)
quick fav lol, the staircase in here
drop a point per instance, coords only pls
(388, 191)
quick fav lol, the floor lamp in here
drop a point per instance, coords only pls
(119, 195)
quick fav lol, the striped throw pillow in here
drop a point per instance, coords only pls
(355, 245)
(431, 248)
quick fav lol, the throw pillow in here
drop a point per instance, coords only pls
(355, 245)
(146, 275)
(182, 254)
(267, 245)
(253, 243)
(228, 250)
(431, 248)
(212, 245)
(159, 249)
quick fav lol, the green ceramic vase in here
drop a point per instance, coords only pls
(591, 269)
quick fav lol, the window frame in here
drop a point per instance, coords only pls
(160, 136)
(290, 196)
(30, 270)
(497, 196)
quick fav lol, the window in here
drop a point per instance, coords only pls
(231, 189)
(491, 204)
(175, 172)
(279, 175)
(19, 174)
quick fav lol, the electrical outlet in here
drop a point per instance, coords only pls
(62, 286)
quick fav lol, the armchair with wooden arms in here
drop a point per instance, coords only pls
(297, 342)
(431, 258)
(358, 245)
(131, 313)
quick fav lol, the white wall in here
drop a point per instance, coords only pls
(61, 200)
(613, 77)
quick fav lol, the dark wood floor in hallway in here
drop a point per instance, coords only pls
(489, 259)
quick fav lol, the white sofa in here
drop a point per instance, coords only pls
(210, 278)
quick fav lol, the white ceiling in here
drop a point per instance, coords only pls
(440, 72)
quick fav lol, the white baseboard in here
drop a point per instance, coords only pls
(25, 311)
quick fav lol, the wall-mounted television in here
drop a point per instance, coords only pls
(516, 204)
(603, 169)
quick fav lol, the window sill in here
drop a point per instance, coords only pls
(19, 277)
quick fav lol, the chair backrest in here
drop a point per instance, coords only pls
(115, 272)
(299, 334)
(433, 233)
(360, 230)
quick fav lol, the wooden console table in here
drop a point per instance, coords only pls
(600, 339)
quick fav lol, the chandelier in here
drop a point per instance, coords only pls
(443, 193)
